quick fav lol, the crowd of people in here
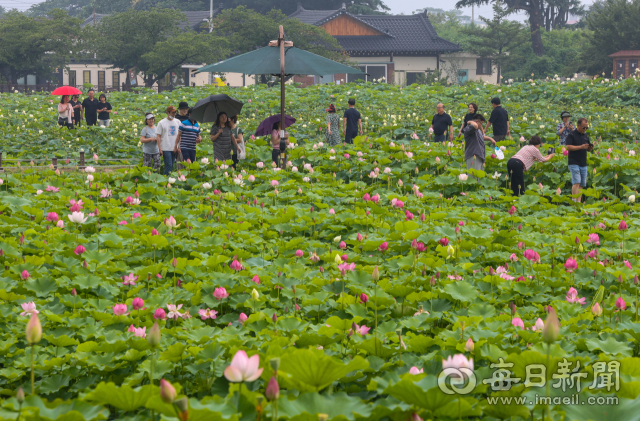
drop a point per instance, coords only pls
(175, 137)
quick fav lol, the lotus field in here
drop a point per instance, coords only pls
(374, 281)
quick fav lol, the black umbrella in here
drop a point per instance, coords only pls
(206, 110)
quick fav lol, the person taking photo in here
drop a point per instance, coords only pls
(578, 144)
(522, 161)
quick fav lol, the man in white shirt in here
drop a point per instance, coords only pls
(167, 132)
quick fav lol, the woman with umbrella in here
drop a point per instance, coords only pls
(65, 113)
(222, 138)
(278, 143)
(333, 126)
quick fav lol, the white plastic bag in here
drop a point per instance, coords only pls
(242, 152)
(499, 153)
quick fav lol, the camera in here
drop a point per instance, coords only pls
(551, 150)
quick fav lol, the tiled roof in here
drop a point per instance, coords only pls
(194, 19)
(626, 53)
(409, 34)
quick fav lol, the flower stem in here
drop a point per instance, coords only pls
(33, 388)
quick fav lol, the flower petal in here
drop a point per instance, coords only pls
(233, 374)
(240, 361)
(255, 376)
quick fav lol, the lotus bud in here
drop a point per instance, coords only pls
(596, 310)
(167, 392)
(273, 389)
(20, 395)
(375, 275)
(433, 281)
(551, 328)
(153, 336)
(323, 417)
(34, 330)
(174, 262)
(274, 318)
(74, 292)
(469, 346)
(255, 295)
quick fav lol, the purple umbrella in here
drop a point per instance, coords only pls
(266, 126)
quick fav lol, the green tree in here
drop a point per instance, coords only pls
(496, 39)
(615, 28)
(79, 8)
(151, 42)
(38, 47)
(247, 30)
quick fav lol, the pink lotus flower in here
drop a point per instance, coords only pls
(364, 298)
(52, 189)
(375, 198)
(565, 152)
(469, 346)
(105, 193)
(594, 239)
(79, 250)
(207, 314)
(235, 265)
(129, 279)
(29, 309)
(362, 330)
(572, 297)
(620, 304)
(513, 257)
(512, 211)
(159, 314)
(220, 293)
(346, 267)
(60, 224)
(120, 309)
(154, 232)
(592, 254)
(444, 242)
(532, 256)
(366, 197)
(274, 183)
(517, 322)
(131, 329)
(622, 226)
(243, 368)
(24, 275)
(242, 318)
(571, 265)
(627, 264)
(256, 279)
(399, 204)
(137, 303)
(123, 223)
(138, 332)
(359, 237)
(167, 392)
(170, 222)
(300, 253)
(173, 311)
(384, 246)
(52, 217)
(136, 215)
(332, 212)
(596, 310)
(414, 370)
(539, 325)
(458, 361)
(342, 245)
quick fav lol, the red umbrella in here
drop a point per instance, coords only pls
(66, 90)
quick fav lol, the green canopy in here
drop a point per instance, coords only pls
(266, 61)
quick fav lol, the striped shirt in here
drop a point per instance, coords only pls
(528, 155)
(189, 132)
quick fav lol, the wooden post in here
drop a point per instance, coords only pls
(282, 96)
(1, 169)
(54, 162)
(81, 166)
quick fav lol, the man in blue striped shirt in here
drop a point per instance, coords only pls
(188, 138)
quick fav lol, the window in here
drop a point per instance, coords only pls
(619, 69)
(101, 85)
(86, 76)
(412, 77)
(375, 71)
(72, 78)
(354, 78)
(116, 80)
(483, 66)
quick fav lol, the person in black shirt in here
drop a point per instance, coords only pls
(77, 110)
(104, 108)
(578, 144)
(441, 124)
(473, 109)
(500, 120)
(352, 120)
(90, 108)
(183, 111)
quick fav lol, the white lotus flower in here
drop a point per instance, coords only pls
(77, 217)
(172, 180)
(206, 186)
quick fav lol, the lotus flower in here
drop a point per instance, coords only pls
(170, 222)
(362, 330)
(458, 361)
(235, 265)
(77, 218)
(463, 177)
(572, 297)
(120, 309)
(594, 239)
(571, 265)
(79, 250)
(384, 246)
(242, 318)
(159, 314)
(52, 217)
(596, 310)
(34, 330)
(29, 309)
(620, 304)
(517, 322)
(173, 311)
(220, 293)
(243, 368)
(129, 279)
(207, 314)
(532, 256)
(622, 226)
(137, 303)
(414, 370)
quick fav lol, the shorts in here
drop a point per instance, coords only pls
(578, 175)
(440, 137)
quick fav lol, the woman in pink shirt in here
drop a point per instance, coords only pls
(522, 161)
(65, 113)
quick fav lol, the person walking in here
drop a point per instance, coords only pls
(474, 146)
(237, 137)
(90, 108)
(104, 111)
(150, 143)
(188, 138)
(278, 144)
(564, 128)
(522, 161)
(500, 121)
(221, 138)
(441, 124)
(77, 110)
(473, 109)
(166, 134)
(65, 113)
(578, 143)
(333, 126)
(352, 120)
(183, 111)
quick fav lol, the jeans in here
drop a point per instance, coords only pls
(275, 156)
(169, 159)
(578, 175)
(104, 123)
(188, 154)
(349, 136)
(475, 163)
(515, 169)
(440, 137)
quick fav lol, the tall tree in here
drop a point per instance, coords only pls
(495, 40)
(540, 12)
(152, 42)
(247, 30)
(615, 27)
(36, 46)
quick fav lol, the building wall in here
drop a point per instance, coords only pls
(347, 26)
(629, 64)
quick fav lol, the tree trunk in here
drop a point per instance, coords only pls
(535, 21)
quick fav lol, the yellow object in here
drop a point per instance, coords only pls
(217, 81)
